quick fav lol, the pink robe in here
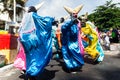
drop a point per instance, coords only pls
(20, 61)
(80, 40)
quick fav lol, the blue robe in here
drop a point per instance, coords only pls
(70, 47)
(37, 42)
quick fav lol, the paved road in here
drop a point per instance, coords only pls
(109, 69)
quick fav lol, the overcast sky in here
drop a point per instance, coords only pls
(55, 7)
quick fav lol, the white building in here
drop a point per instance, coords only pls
(4, 17)
(5, 21)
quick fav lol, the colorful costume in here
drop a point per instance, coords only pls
(94, 48)
(20, 61)
(70, 45)
(35, 35)
(58, 35)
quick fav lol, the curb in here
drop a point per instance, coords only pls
(112, 52)
(5, 68)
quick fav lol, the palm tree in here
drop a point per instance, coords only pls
(8, 6)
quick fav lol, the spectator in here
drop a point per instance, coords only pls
(107, 41)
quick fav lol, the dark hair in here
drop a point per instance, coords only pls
(83, 24)
(62, 20)
(55, 23)
(32, 9)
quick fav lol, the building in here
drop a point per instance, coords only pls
(6, 22)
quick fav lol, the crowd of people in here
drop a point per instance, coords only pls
(74, 38)
(108, 37)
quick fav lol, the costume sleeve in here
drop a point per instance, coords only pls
(42, 21)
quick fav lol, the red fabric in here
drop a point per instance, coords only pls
(8, 41)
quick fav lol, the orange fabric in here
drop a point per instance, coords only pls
(58, 36)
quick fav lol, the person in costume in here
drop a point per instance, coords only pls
(35, 36)
(58, 32)
(94, 48)
(55, 45)
(70, 45)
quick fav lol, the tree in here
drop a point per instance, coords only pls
(106, 16)
(8, 6)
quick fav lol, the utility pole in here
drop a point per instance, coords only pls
(14, 11)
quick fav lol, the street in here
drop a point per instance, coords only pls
(109, 69)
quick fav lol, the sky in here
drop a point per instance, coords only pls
(55, 8)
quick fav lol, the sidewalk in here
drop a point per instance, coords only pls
(112, 52)
(5, 68)
(114, 49)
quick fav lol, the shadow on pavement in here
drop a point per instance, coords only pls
(90, 61)
(116, 56)
(60, 64)
(110, 74)
(46, 75)
(65, 69)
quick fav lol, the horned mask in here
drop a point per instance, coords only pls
(73, 12)
(37, 7)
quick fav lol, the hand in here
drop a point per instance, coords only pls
(75, 21)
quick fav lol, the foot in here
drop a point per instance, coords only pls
(73, 72)
(97, 56)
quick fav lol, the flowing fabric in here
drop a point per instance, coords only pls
(35, 35)
(55, 45)
(101, 52)
(70, 46)
(85, 43)
(94, 48)
(20, 61)
(80, 40)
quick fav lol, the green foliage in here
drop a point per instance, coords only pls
(106, 16)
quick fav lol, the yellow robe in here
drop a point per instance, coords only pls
(93, 40)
